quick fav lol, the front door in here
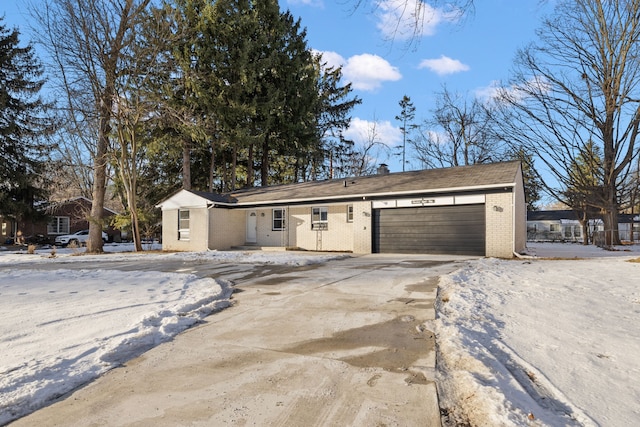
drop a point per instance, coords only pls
(252, 226)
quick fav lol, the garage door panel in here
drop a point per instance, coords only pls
(441, 229)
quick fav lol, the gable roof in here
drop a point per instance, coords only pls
(502, 175)
(80, 200)
(554, 215)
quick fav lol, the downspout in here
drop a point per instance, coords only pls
(209, 226)
(288, 226)
(513, 221)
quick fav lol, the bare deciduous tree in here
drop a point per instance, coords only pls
(86, 40)
(407, 19)
(459, 133)
(579, 84)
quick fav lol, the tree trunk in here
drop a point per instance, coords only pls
(186, 164)
(584, 223)
(95, 243)
(611, 233)
(234, 162)
(264, 168)
(135, 226)
(212, 166)
(250, 172)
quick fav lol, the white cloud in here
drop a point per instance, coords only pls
(495, 91)
(363, 131)
(365, 72)
(313, 3)
(489, 92)
(444, 65)
(403, 19)
(332, 59)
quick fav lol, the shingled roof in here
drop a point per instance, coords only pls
(448, 180)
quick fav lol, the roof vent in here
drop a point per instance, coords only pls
(383, 169)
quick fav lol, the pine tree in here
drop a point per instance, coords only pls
(406, 116)
(23, 124)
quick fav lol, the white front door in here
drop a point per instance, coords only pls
(252, 225)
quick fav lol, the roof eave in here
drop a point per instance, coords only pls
(369, 195)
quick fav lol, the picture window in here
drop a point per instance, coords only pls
(58, 225)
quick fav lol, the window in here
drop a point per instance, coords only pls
(183, 225)
(5, 227)
(567, 232)
(319, 218)
(279, 222)
(349, 213)
(577, 231)
(58, 225)
(554, 227)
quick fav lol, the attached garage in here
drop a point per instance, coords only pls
(474, 210)
(430, 230)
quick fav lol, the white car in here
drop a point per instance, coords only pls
(79, 238)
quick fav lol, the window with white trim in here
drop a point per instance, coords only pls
(184, 230)
(554, 227)
(278, 219)
(349, 213)
(320, 218)
(58, 225)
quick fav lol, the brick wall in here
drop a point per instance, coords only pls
(226, 228)
(362, 237)
(337, 237)
(198, 230)
(499, 225)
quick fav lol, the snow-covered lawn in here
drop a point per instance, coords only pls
(61, 328)
(542, 342)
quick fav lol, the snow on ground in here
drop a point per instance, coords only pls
(60, 329)
(542, 342)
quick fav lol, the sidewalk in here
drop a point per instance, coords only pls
(339, 344)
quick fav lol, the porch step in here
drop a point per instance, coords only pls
(259, 248)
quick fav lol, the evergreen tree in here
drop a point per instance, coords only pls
(23, 124)
(585, 185)
(532, 183)
(406, 116)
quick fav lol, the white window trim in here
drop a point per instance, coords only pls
(320, 224)
(184, 233)
(282, 219)
(349, 213)
(54, 226)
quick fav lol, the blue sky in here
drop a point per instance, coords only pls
(468, 55)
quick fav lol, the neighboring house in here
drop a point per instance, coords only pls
(8, 229)
(64, 217)
(475, 210)
(564, 226)
(556, 226)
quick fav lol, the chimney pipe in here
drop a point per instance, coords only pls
(383, 169)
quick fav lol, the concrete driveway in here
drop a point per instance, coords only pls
(334, 344)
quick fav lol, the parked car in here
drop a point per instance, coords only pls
(78, 238)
